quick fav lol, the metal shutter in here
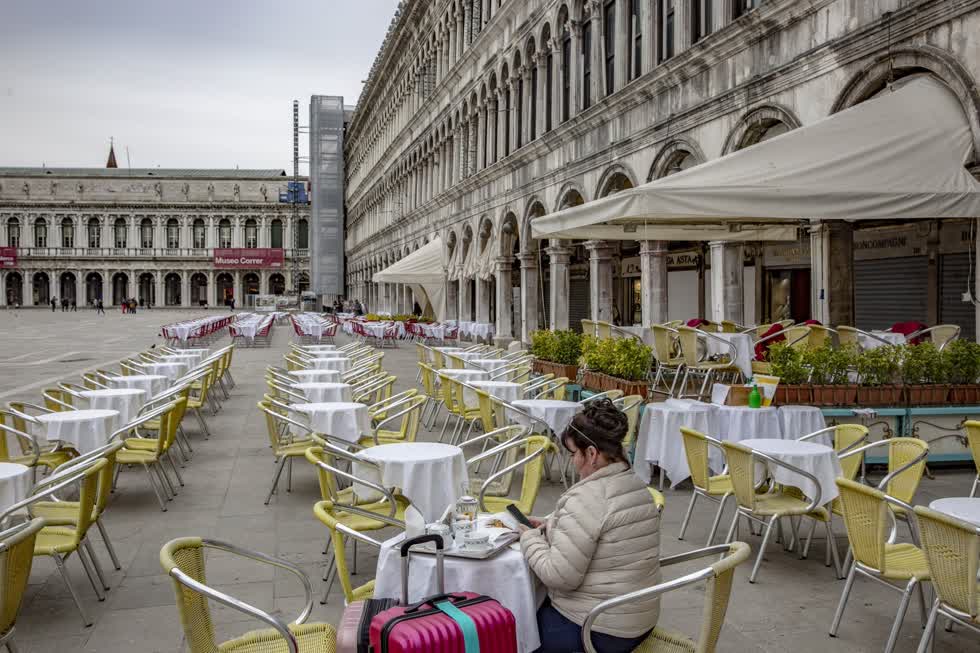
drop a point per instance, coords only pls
(952, 285)
(892, 290)
(579, 303)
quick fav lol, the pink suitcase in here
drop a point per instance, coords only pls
(355, 624)
(461, 622)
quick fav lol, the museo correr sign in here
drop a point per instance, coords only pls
(239, 259)
(8, 257)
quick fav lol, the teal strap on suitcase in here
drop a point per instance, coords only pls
(471, 639)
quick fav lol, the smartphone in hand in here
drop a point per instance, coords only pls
(519, 516)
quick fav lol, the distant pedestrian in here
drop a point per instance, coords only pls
(74, 306)
(54, 304)
(64, 304)
(231, 303)
(417, 310)
(99, 307)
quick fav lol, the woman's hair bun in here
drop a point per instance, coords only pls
(607, 421)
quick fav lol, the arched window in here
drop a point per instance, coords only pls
(200, 234)
(224, 233)
(120, 233)
(251, 234)
(40, 233)
(302, 234)
(146, 233)
(94, 233)
(67, 233)
(13, 232)
(275, 239)
(173, 233)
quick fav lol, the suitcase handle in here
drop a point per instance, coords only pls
(440, 572)
(432, 600)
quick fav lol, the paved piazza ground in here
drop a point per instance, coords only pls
(788, 609)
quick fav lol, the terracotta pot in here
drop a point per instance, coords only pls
(599, 382)
(793, 395)
(548, 367)
(965, 394)
(880, 395)
(927, 395)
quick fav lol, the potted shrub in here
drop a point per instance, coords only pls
(830, 375)
(878, 370)
(787, 364)
(924, 374)
(962, 362)
(616, 364)
(556, 352)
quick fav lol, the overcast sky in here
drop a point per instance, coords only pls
(182, 83)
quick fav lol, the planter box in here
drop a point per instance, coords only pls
(599, 382)
(880, 395)
(927, 395)
(793, 395)
(834, 395)
(547, 367)
(965, 394)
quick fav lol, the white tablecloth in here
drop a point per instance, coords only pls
(737, 423)
(326, 376)
(962, 508)
(434, 331)
(659, 441)
(430, 474)
(319, 392)
(797, 421)
(153, 384)
(506, 577)
(312, 348)
(16, 482)
(744, 347)
(643, 333)
(466, 376)
(172, 371)
(468, 355)
(483, 330)
(503, 390)
(343, 419)
(126, 401)
(326, 353)
(448, 349)
(873, 343)
(192, 358)
(340, 364)
(817, 459)
(84, 430)
(555, 413)
(489, 364)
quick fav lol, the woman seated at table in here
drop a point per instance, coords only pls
(601, 541)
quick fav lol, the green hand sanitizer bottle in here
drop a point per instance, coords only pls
(755, 397)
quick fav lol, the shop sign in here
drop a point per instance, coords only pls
(956, 237)
(788, 254)
(8, 257)
(240, 259)
(890, 243)
(686, 260)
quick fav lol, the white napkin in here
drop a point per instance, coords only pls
(414, 523)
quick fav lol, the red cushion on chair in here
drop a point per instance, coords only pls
(762, 348)
(906, 328)
(696, 323)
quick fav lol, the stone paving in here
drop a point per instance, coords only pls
(788, 609)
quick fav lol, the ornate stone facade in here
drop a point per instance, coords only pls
(479, 115)
(114, 234)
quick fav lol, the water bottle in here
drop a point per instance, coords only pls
(755, 397)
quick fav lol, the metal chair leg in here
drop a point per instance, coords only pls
(835, 624)
(762, 550)
(90, 550)
(714, 524)
(275, 480)
(687, 515)
(900, 615)
(153, 484)
(204, 425)
(289, 474)
(929, 632)
(71, 588)
(108, 544)
(90, 572)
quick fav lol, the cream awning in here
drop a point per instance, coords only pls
(898, 156)
(422, 270)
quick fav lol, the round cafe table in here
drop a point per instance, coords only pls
(555, 413)
(430, 474)
(659, 441)
(466, 376)
(506, 577)
(797, 421)
(488, 364)
(737, 423)
(311, 348)
(506, 391)
(153, 384)
(963, 508)
(340, 364)
(316, 376)
(126, 401)
(83, 430)
(326, 353)
(172, 371)
(340, 419)
(192, 358)
(320, 393)
(16, 482)
(817, 459)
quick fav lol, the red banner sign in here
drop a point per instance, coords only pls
(242, 259)
(8, 257)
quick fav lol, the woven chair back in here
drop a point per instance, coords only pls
(902, 451)
(718, 592)
(846, 435)
(696, 451)
(953, 551)
(973, 441)
(187, 554)
(741, 468)
(16, 559)
(865, 516)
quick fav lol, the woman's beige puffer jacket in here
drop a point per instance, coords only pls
(602, 541)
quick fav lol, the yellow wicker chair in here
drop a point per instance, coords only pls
(15, 422)
(708, 370)
(453, 407)
(383, 408)
(973, 439)
(590, 328)
(492, 491)
(866, 518)
(603, 330)
(696, 448)
(665, 346)
(940, 335)
(286, 445)
(766, 508)
(16, 559)
(952, 548)
(183, 560)
(150, 453)
(658, 499)
(719, 578)
(554, 389)
(93, 382)
(631, 406)
(406, 416)
(797, 337)
(57, 400)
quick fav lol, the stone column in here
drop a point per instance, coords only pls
(650, 37)
(598, 50)
(540, 97)
(452, 301)
(832, 273)
(465, 300)
(575, 91)
(560, 257)
(529, 294)
(653, 281)
(387, 296)
(185, 289)
(481, 136)
(601, 279)
(460, 35)
(505, 302)
(623, 46)
(482, 300)
(727, 302)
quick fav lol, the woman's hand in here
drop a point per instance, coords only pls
(535, 523)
